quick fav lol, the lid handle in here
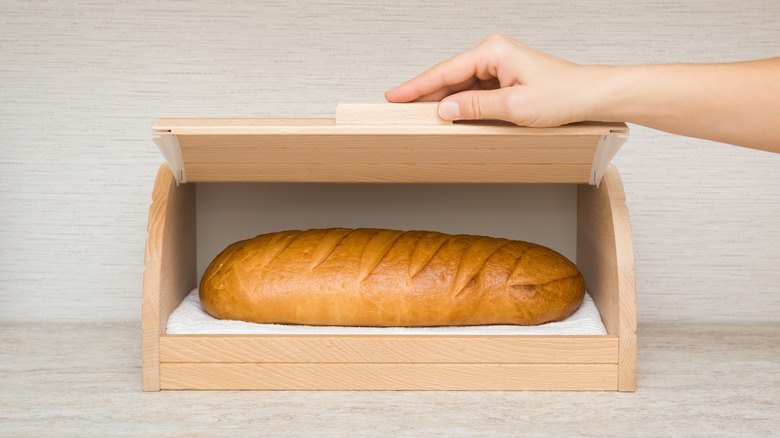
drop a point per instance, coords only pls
(384, 113)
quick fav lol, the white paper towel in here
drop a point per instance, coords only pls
(190, 318)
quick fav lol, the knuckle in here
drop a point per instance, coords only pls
(498, 44)
(496, 38)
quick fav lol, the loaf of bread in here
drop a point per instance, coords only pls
(375, 277)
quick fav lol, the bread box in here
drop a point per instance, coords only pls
(379, 145)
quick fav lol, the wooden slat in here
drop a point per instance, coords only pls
(369, 172)
(390, 155)
(384, 113)
(370, 376)
(386, 158)
(150, 307)
(389, 348)
(624, 255)
(605, 257)
(169, 265)
(236, 147)
(150, 327)
(320, 127)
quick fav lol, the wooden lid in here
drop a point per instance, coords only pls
(385, 142)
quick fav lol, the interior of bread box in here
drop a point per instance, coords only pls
(387, 166)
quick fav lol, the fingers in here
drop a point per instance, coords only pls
(470, 84)
(478, 104)
(456, 70)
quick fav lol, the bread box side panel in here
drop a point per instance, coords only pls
(605, 257)
(169, 261)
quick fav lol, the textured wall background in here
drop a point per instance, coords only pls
(81, 83)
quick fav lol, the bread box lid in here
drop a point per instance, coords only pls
(385, 142)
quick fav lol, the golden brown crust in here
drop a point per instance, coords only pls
(373, 277)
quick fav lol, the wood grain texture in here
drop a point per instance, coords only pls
(170, 265)
(354, 150)
(388, 376)
(332, 152)
(605, 257)
(150, 307)
(83, 81)
(383, 113)
(400, 173)
(596, 252)
(395, 349)
(624, 257)
(208, 147)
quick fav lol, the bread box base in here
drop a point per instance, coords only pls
(391, 362)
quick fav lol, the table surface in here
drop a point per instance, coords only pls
(85, 379)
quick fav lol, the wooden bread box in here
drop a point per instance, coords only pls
(388, 143)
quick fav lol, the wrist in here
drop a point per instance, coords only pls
(606, 90)
(630, 93)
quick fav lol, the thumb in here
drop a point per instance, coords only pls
(477, 104)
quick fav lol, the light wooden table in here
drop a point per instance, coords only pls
(84, 379)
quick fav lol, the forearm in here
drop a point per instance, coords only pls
(737, 103)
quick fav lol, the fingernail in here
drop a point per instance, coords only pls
(449, 110)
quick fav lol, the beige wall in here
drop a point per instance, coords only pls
(81, 83)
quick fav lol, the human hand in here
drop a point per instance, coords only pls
(503, 79)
